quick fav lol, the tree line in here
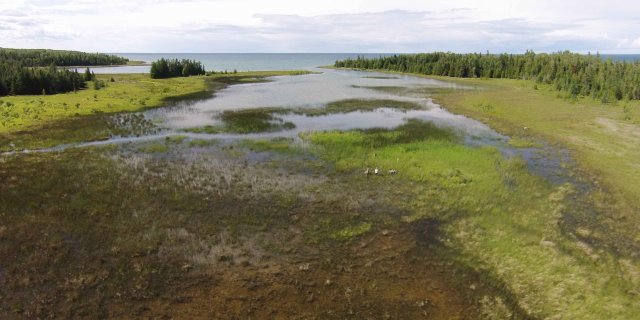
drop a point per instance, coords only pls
(169, 68)
(60, 58)
(577, 74)
(16, 79)
(35, 71)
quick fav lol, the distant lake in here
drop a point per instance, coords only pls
(266, 61)
(239, 61)
(622, 57)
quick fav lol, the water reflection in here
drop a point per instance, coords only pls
(316, 91)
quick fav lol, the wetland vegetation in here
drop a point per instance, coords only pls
(32, 122)
(360, 199)
(262, 120)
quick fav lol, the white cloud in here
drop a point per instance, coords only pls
(629, 44)
(320, 26)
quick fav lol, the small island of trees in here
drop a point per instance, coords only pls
(169, 68)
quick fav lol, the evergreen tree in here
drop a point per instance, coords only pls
(61, 58)
(87, 75)
(164, 68)
(16, 79)
(34, 71)
(578, 75)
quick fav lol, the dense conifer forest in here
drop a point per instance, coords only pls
(576, 74)
(60, 58)
(34, 71)
(165, 68)
(16, 80)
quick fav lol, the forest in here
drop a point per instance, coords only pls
(576, 74)
(60, 58)
(16, 79)
(34, 71)
(169, 68)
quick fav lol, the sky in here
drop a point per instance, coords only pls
(364, 26)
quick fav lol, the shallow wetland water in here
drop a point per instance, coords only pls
(202, 217)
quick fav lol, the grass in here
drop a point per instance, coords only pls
(202, 143)
(259, 120)
(523, 143)
(352, 105)
(81, 244)
(178, 139)
(197, 224)
(419, 151)
(36, 121)
(502, 221)
(353, 231)
(137, 63)
(602, 138)
(221, 211)
(410, 91)
(130, 92)
(253, 120)
(246, 121)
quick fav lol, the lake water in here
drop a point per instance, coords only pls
(265, 61)
(622, 57)
(239, 61)
(316, 91)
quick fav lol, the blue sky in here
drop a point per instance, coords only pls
(611, 26)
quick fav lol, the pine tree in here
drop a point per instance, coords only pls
(87, 75)
(578, 75)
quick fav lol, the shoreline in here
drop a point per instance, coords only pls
(131, 92)
(523, 128)
(129, 64)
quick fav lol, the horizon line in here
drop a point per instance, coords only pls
(420, 52)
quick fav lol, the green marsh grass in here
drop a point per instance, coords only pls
(28, 122)
(258, 120)
(352, 231)
(523, 143)
(253, 120)
(352, 105)
(503, 221)
(123, 230)
(602, 138)
(128, 93)
(202, 143)
(176, 139)
(246, 121)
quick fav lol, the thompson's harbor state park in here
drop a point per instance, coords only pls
(277, 159)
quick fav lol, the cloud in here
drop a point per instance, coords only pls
(629, 44)
(393, 31)
(318, 26)
(319, 33)
(518, 26)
